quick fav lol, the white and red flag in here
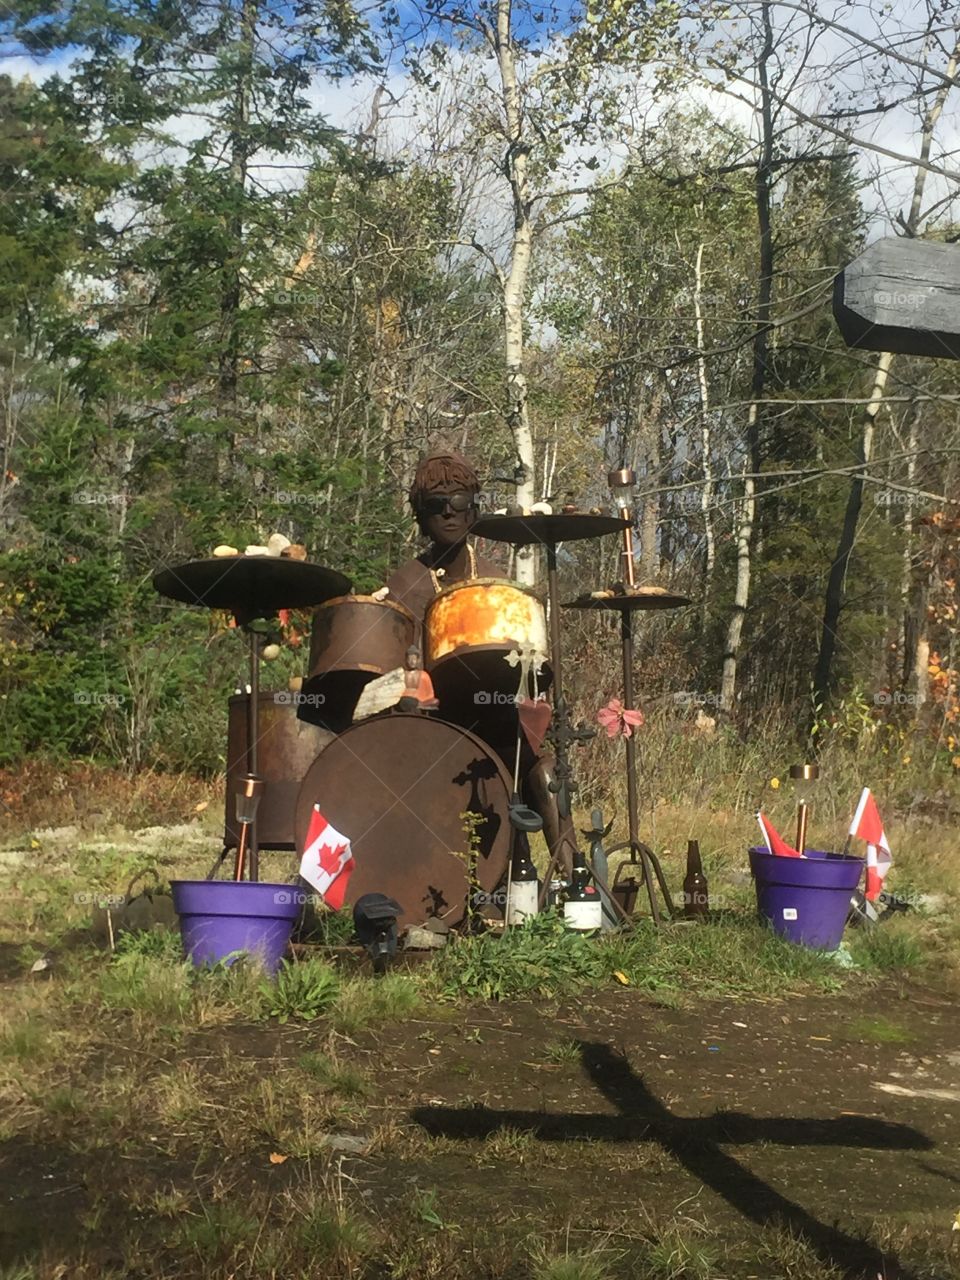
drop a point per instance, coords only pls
(775, 841)
(866, 825)
(327, 861)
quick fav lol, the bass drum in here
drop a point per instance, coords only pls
(397, 787)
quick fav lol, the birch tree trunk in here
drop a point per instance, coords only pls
(648, 439)
(706, 492)
(231, 288)
(748, 506)
(516, 276)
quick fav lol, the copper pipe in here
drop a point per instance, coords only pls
(238, 864)
(803, 814)
(627, 552)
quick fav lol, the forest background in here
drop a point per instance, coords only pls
(255, 256)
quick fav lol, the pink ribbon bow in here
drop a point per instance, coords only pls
(616, 719)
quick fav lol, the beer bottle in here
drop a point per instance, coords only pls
(524, 887)
(582, 906)
(696, 901)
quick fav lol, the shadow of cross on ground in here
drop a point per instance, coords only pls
(695, 1143)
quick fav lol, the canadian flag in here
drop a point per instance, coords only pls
(775, 841)
(866, 825)
(327, 861)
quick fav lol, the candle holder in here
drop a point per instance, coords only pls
(804, 775)
(621, 484)
(247, 801)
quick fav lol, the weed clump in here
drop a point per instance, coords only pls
(303, 990)
(889, 948)
(540, 957)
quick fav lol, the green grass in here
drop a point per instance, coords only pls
(880, 1030)
(330, 1233)
(147, 984)
(363, 1002)
(220, 1232)
(730, 956)
(677, 1255)
(539, 958)
(562, 1053)
(337, 1077)
(24, 1042)
(892, 947)
(570, 1265)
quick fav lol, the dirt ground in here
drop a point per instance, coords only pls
(820, 1116)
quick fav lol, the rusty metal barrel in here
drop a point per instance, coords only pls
(286, 748)
(353, 640)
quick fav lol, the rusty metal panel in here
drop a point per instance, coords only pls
(286, 749)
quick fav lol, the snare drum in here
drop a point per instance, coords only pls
(354, 639)
(469, 630)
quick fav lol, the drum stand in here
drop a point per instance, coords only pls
(649, 861)
(250, 587)
(561, 734)
(549, 530)
(634, 598)
(251, 854)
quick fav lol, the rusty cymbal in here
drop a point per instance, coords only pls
(521, 531)
(640, 598)
(250, 586)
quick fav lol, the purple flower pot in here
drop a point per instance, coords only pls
(806, 900)
(221, 917)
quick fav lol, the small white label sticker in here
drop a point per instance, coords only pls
(789, 913)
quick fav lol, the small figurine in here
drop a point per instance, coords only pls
(418, 693)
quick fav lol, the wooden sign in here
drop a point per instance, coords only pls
(902, 295)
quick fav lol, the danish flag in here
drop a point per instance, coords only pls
(775, 841)
(327, 861)
(867, 826)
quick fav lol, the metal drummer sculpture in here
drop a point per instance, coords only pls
(443, 498)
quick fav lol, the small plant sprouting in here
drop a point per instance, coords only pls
(471, 823)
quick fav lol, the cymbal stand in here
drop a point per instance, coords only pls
(562, 734)
(649, 861)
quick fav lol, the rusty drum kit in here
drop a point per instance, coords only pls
(425, 798)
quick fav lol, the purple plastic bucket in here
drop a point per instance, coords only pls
(219, 918)
(806, 900)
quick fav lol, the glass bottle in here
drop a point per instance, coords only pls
(696, 900)
(524, 886)
(582, 906)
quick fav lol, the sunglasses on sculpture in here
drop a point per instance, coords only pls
(439, 503)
